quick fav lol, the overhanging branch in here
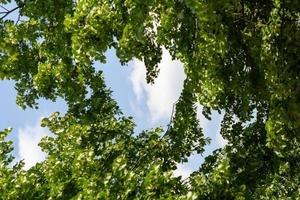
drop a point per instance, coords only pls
(7, 12)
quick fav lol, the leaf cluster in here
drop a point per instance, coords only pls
(240, 57)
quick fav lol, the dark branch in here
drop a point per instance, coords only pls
(18, 19)
(4, 8)
(171, 118)
(8, 12)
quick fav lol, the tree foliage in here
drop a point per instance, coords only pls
(240, 57)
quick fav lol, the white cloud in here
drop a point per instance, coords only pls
(160, 96)
(137, 78)
(28, 139)
(159, 99)
(182, 171)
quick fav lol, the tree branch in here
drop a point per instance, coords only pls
(8, 12)
(171, 118)
(4, 8)
(19, 17)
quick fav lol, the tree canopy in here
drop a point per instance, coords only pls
(240, 57)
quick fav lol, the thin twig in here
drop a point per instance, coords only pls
(18, 19)
(171, 118)
(4, 8)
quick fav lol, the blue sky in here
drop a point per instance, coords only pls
(149, 105)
